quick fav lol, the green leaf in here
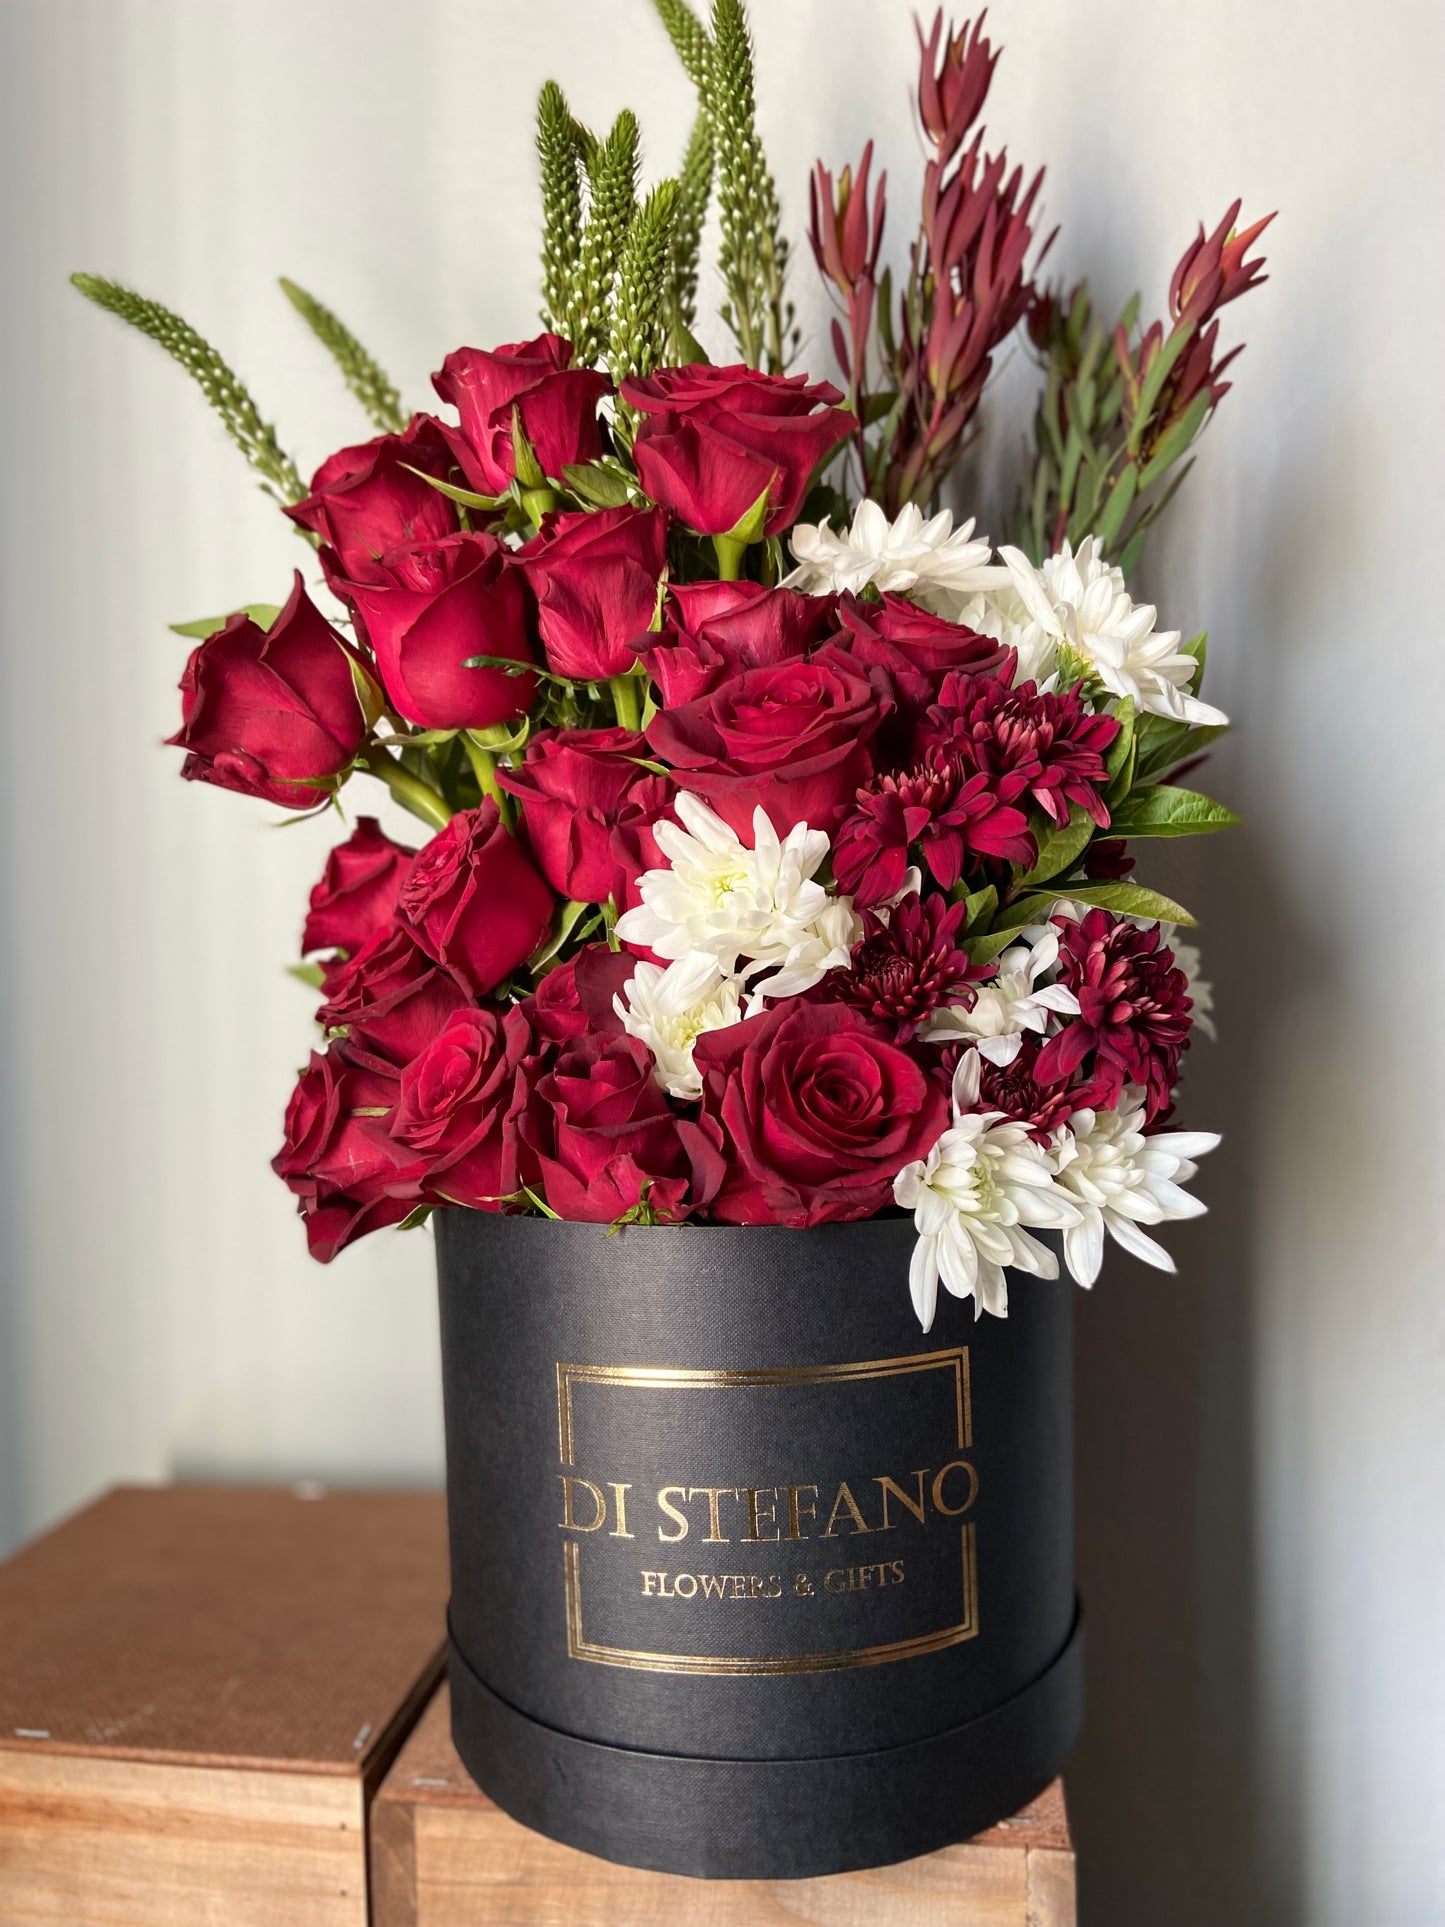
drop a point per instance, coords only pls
(525, 465)
(1165, 744)
(1157, 810)
(1121, 500)
(467, 498)
(307, 973)
(984, 949)
(569, 915)
(1152, 385)
(1117, 758)
(1127, 900)
(1061, 847)
(980, 908)
(602, 486)
(749, 526)
(263, 614)
(1198, 647)
(415, 1219)
(1175, 440)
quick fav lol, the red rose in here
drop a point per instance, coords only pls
(595, 577)
(819, 1112)
(399, 1011)
(556, 402)
(365, 500)
(272, 713)
(606, 1139)
(427, 609)
(459, 1104)
(577, 996)
(348, 1174)
(388, 963)
(589, 807)
(473, 901)
(358, 889)
(915, 649)
(712, 440)
(711, 630)
(792, 739)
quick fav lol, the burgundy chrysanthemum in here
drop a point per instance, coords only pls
(1014, 1088)
(1052, 742)
(1133, 1023)
(903, 969)
(950, 811)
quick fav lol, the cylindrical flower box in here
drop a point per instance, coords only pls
(750, 1578)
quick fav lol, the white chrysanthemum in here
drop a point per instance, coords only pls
(1009, 1004)
(759, 908)
(1201, 992)
(929, 561)
(1080, 600)
(971, 1198)
(669, 1009)
(1121, 1179)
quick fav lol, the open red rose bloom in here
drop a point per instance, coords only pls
(777, 868)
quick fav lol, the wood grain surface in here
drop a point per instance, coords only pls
(199, 1690)
(442, 1855)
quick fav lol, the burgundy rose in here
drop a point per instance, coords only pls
(1133, 1023)
(606, 1139)
(908, 966)
(272, 713)
(431, 606)
(366, 500)
(589, 806)
(713, 440)
(792, 740)
(950, 814)
(459, 1104)
(388, 963)
(357, 893)
(398, 1012)
(347, 1172)
(711, 630)
(819, 1111)
(1053, 742)
(915, 649)
(577, 996)
(595, 576)
(473, 901)
(557, 405)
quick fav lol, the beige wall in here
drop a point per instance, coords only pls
(1262, 1494)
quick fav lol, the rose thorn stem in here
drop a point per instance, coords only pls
(412, 794)
(729, 552)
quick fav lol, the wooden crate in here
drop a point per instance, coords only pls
(443, 1856)
(199, 1689)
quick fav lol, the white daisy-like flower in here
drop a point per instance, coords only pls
(1080, 600)
(1120, 1179)
(752, 910)
(670, 1008)
(983, 1182)
(1201, 992)
(931, 562)
(1010, 1003)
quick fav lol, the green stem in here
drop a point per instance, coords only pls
(729, 552)
(627, 701)
(414, 795)
(484, 768)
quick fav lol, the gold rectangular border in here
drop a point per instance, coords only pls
(665, 1376)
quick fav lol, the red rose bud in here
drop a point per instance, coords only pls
(792, 739)
(711, 630)
(712, 441)
(272, 713)
(580, 995)
(459, 1104)
(357, 893)
(348, 1174)
(818, 1111)
(473, 901)
(366, 500)
(429, 607)
(914, 649)
(385, 967)
(595, 576)
(556, 404)
(606, 1139)
(589, 806)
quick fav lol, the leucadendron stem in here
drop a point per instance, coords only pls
(412, 794)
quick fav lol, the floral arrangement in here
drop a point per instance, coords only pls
(779, 866)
